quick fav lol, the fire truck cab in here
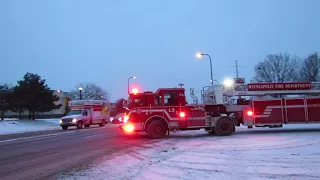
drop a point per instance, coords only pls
(157, 113)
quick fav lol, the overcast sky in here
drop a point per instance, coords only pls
(107, 41)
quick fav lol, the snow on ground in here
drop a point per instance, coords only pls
(291, 152)
(12, 126)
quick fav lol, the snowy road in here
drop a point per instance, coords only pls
(292, 152)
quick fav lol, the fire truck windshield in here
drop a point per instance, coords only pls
(137, 101)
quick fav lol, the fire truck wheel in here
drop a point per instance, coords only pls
(224, 127)
(157, 129)
(213, 132)
(79, 125)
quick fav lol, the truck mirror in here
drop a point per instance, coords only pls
(124, 103)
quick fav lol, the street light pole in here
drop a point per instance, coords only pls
(210, 67)
(132, 77)
(80, 93)
(199, 55)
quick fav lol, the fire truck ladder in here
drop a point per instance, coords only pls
(208, 95)
(194, 97)
(242, 90)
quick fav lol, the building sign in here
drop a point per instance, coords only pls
(239, 80)
(86, 103)
(279, 86)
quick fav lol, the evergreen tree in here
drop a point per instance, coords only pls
(5, 97)
(34, 95)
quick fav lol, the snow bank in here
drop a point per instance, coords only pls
(291, 152)
(12, 126)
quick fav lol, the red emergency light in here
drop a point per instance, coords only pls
(249, 113)
(182, 114)
(135, 91)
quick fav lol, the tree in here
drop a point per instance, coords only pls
(17, 104)
(119, 106)
(309, 70)
(277, 68)
(34, 95)
(5, 98)
(90, 92)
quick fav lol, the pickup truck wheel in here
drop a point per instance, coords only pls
(157, 129)
(64, 127)
(224, 127)
(79, 125)
(102, 123)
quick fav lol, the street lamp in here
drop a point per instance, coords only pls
(132, 77)
(199, 55)
(80, 92)
(228, 82)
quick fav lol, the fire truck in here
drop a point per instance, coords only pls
(223, 108)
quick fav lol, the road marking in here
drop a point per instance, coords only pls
(34, 137)
(50, 135)
(92, 136)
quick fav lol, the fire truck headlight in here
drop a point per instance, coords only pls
(129, 128)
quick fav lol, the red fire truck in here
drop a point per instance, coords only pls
(269, 105)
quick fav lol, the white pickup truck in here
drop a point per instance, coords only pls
(86, 113)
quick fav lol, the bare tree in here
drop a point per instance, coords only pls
(310, 68)
(90, 92)
(277, 68)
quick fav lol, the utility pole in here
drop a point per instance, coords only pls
(237, 70)
(237, 74)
